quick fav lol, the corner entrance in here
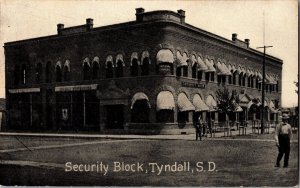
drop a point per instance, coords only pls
(114, 116)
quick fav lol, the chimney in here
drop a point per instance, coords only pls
(139, 14)
(234, 36)
(182, 15)
(59, 28)
(89, 24)
(247, 41)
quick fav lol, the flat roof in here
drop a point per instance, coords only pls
(136, 23)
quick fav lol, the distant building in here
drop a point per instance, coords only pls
(153, 75)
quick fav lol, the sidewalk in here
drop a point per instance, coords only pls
(121, 136)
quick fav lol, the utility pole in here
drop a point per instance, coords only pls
(263, 90)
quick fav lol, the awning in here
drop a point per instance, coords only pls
(164, 56)
(199, 104)
(25, 90)
(201, 65)
(232, 68)
(226, 69)
(210, 66)
(109, 59)
(221, 69)
(120, 58)
(134, 55)
(211, 103)
(184, 103)
(139, 96)
(87, 61)
(96, 59)
(165, 101)
(194, 60)
(76, 88)
(182, 59)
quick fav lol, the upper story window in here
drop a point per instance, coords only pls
(134, 64)
(119, 65)
(164, 62)
(38, 72)
(58, 71)
(182, 64)
(24, 74)
(67, 70)
(96, 67)
(109, 67)
(48, 72)
(86, 69)
(145, 63)
(16, 75)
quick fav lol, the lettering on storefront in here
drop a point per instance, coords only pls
(197, 85)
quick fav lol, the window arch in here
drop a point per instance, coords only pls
(58, 72)
(16, 75)
(134, 64)
(38, 72)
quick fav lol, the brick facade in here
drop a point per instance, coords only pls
(61, 81)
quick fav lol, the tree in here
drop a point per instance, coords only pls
(227, 103)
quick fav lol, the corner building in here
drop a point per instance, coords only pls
(154, 75)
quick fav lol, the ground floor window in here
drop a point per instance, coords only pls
(140, 112)
(165, 116)
(183, 117)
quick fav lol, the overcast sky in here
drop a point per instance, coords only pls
(28, 19)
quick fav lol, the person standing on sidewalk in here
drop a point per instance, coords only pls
(283, 136)
(198, 128)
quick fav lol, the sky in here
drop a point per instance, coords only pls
(32, 18)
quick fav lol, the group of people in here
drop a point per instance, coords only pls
(202, 129)
(283, 136)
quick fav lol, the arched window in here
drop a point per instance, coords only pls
(194, 71)
(145, 66)
(134, 67)
(119, 65)
(140, 108)
(86, 69)
(58, 72)
(234, 75)
(38, 72)
(24, 74)
(241, 78)
(244, 80)
(67, 70)
(249, 81)
(16, 75)
(277, 86)
(96, 68)
(109, 66)
(165, 105)
(48, 72)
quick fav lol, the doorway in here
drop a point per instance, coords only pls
(115, 116)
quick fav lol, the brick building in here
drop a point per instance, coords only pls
(151, 75)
